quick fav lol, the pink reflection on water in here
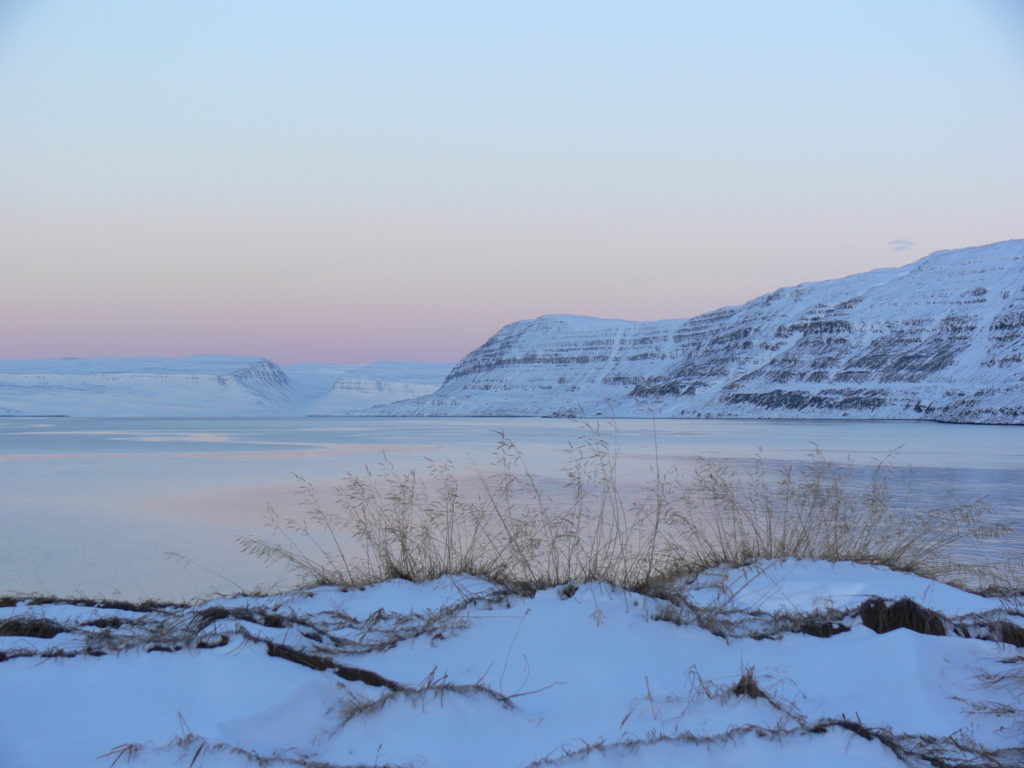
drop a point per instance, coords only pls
(316, 450)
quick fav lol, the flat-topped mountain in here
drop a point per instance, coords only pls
(206, 385)
(941, 338)
(145, 386)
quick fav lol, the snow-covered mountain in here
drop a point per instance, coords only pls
(348, 395)
(335, 389)
(201, 386)
(941, 338)
(149, 386)
(323, 375)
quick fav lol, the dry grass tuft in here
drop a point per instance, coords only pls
(747, 686)
(506, 527)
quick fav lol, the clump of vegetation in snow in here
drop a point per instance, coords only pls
(509, 527)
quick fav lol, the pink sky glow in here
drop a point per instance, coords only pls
(397, 182)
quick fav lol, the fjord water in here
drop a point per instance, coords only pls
(91, 506)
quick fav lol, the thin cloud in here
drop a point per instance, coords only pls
(901, 245)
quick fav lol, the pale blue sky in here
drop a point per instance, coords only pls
(349, 181)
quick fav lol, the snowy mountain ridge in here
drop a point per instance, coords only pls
(205, 385)
(941, 338)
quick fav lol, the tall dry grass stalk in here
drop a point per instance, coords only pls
(503, 525)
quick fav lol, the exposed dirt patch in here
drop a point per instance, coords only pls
(28, 626)
(903, 614)
(323, 664)
(822, 628)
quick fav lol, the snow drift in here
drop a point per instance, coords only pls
(775, 664)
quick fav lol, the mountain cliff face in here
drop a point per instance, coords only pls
(941, 338)
(266, 381)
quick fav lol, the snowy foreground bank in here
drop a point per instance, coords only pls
(777, 664)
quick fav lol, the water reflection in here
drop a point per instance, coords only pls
(91, 505)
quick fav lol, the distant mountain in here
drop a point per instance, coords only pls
(199, 386)
(941, 338)
(344, 389)
(318, 378)
(147, 386)
(348, 396)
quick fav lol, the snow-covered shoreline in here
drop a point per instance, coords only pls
(789, 663)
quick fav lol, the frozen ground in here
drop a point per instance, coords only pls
(792, 663)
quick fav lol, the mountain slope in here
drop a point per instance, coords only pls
(941, 338)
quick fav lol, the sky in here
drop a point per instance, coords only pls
(349, 181)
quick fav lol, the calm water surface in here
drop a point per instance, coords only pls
(91, 506)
